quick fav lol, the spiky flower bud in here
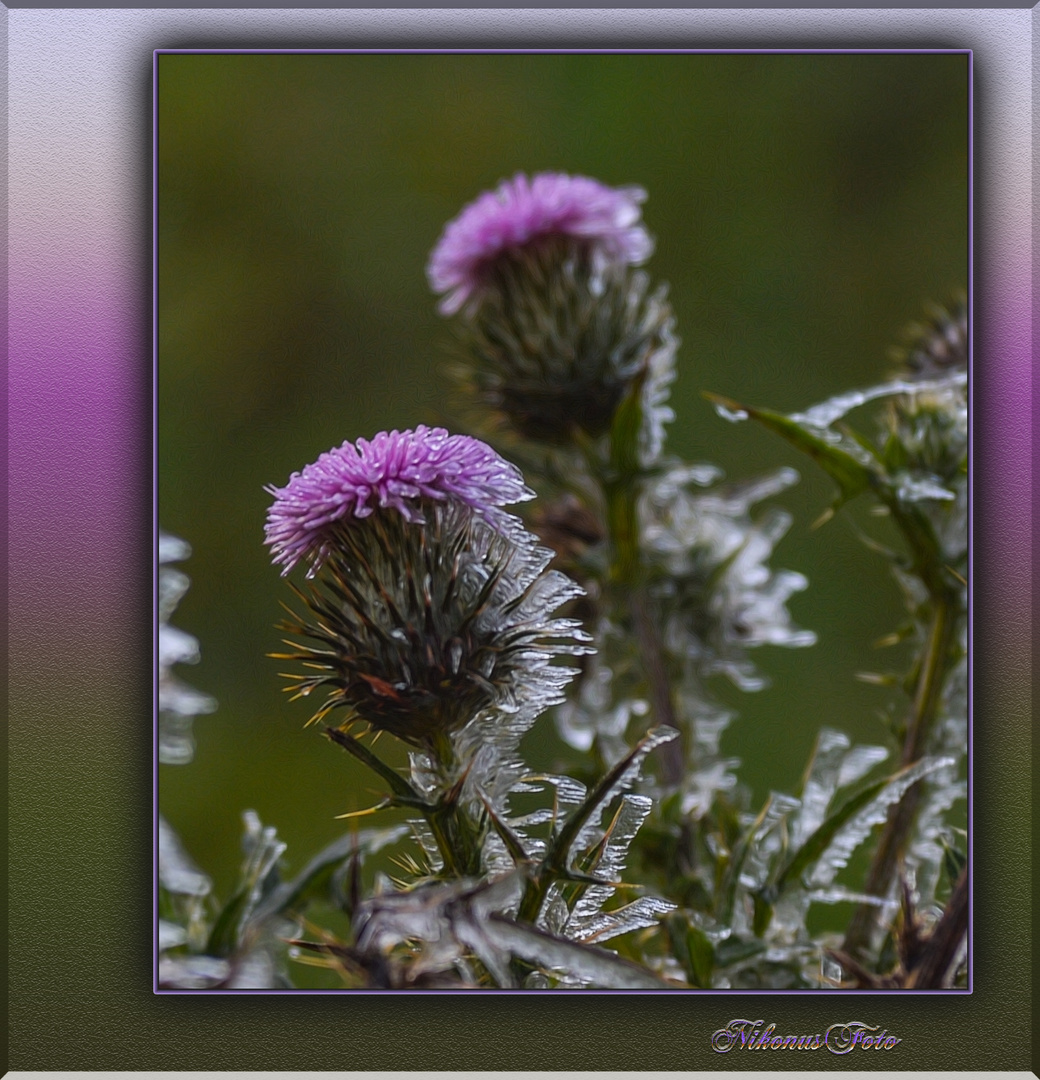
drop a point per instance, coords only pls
(557, 345)
(925, 430)
(422, 615)
(938, 345)
(557, 325)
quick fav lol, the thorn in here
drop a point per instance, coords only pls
(822, 519)
(958, 577)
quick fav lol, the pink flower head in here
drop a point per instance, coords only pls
(521, 210)
(395, 469)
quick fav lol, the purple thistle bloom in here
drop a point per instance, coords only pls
(395, 469)
(522, 210)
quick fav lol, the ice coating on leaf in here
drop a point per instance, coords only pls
(178, 702)
(767, 840)
(192, 972)
(733, 416)
(912, 489)
(172, 549)
(660, 374)
(587, 921)
(171, 935)
(355, 844)
(431, 929)
(942, 789)
(834, 765)
(821, 782)
(828, 412)
(177, 872)
(838, 894)
(573, 963)
(858, 828)
(613, 850)
(601, 926)
(592, 715)
(262, 850)
(719, 595)
(256, 970)
(240, 949)
(858, 762)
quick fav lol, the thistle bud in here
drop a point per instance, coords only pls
(925, 430)
(557, 326)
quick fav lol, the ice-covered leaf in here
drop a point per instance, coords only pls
(171, 935)
(603, 925)
(177, 873)
(829, 412)
(258, 879)
(620, 777)
(192, 972)
(178, 703)
(821, 781)
(858, 762)
(315, 878)
(845, 460)
(829, 847)
(585, 964)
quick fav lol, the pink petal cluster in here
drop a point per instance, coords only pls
(521, 210)
(394, 469)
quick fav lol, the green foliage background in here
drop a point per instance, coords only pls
(805, 208)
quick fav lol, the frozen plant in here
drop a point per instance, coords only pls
(428, 616)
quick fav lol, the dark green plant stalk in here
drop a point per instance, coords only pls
(620, 478)
(895, 835)
(458, 837)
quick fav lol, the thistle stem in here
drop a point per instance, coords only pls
(652, 653)
(941, 950)
(896, 832)
(627, 575)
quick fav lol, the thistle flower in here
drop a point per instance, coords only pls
(519, 213)
(431, 605)
(401, 470)
(557, 326)
(417, 629)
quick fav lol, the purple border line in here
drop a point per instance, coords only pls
(499, 992)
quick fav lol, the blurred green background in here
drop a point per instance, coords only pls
(805, 208)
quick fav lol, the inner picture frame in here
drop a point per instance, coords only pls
(804, 208)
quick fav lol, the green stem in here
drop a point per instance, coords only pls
(627, 575)
(404, 791)
(459, 838)
(454, 838)
(896, 832)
